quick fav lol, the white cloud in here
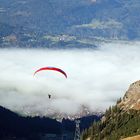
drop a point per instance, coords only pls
(96, 78)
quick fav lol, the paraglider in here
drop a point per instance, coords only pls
(52, 68)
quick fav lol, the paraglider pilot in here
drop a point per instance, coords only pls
(49, 96)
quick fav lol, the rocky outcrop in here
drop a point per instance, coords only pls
(131, 99)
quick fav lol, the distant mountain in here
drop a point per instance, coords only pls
(31, 20)
(119, 121)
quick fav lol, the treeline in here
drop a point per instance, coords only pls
(115, 124)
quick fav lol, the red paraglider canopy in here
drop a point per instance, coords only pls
(51, 68)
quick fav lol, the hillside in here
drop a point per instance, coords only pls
(120, 121)
(59, 17)
(74, 23)
(14, 126)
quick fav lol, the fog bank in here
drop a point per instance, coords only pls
(96, 78)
